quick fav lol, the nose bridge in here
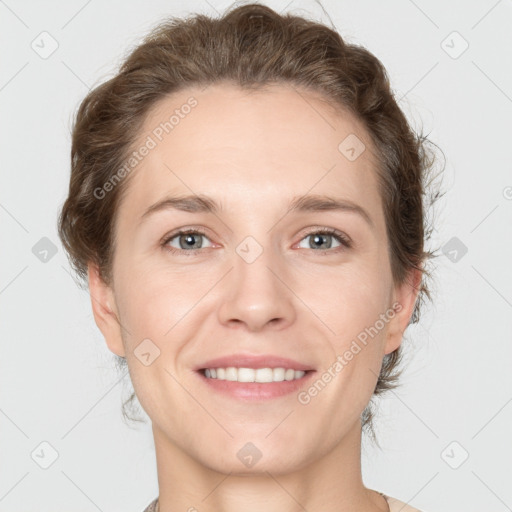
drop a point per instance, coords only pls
(255, 295)
(253, 262)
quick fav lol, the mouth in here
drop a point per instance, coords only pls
(257, 375)
(254, 384)
(253, 377)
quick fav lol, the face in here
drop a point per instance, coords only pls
(267, 269)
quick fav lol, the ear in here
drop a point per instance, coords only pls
(104, 310)
(404, 297)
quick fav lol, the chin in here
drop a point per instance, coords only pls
(275, 465)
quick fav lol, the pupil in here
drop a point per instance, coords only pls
(189, 240)
(319, 239)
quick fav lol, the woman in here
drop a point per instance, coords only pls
(246, 205)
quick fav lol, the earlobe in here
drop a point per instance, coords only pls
(104, 310)
(405, 298)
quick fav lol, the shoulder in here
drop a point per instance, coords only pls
(396, 505)
(152, 506)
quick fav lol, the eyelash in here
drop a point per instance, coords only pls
(343, 239)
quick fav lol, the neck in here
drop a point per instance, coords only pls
(332, 482)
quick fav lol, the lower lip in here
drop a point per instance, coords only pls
(257, 390)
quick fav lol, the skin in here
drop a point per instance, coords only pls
(253, 152)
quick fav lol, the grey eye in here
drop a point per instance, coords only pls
(320, 241)
(187, 241)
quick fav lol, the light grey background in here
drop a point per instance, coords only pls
(57, 380)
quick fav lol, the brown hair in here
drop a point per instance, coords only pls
(251, 46)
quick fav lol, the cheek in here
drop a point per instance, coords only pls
(351, 299)
(155, 311)
(153, 301)
(359, 315)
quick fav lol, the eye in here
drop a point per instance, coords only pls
(185, 240)
(190, 240)
(323, 239)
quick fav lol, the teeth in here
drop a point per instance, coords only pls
(252, 375)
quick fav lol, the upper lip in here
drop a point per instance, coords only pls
(254, 361)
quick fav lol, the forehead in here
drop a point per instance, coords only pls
(234, 143)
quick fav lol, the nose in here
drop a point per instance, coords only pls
(257, 295)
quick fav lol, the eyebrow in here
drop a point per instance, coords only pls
(307, 203)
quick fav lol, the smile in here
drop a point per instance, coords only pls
(255, 384)
(261, 375)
